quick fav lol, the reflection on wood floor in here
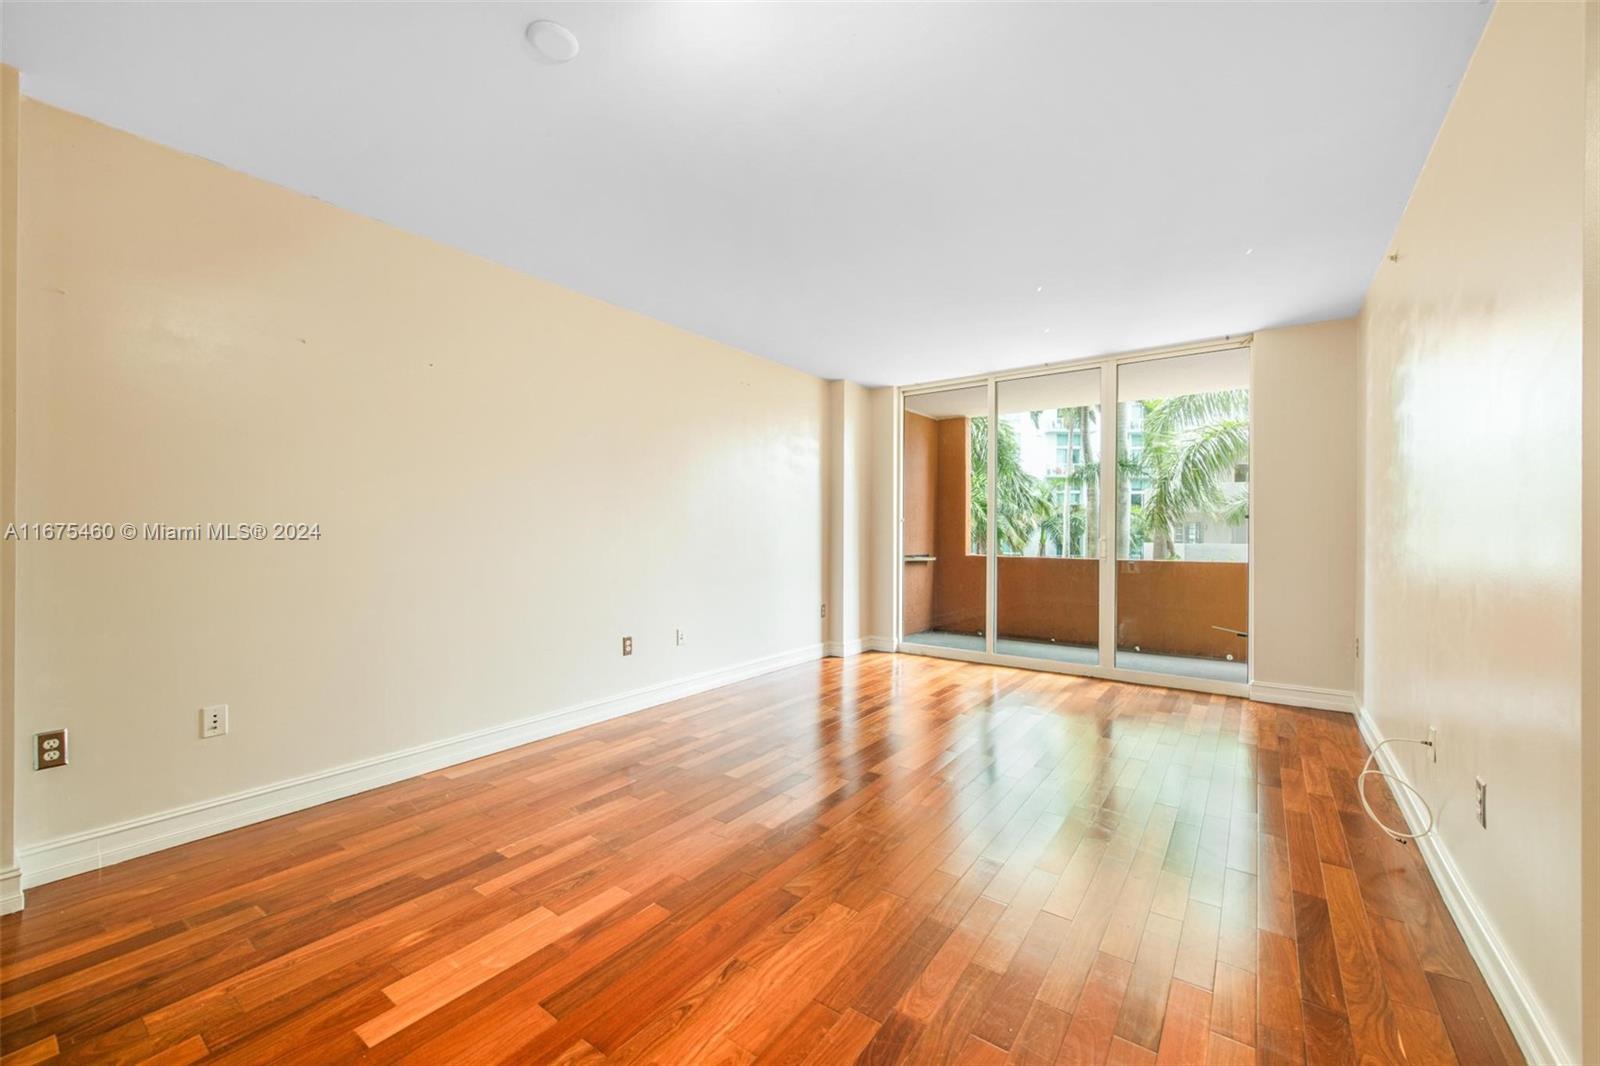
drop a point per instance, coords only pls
(880, 859)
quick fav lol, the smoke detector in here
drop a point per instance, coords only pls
(551, 42)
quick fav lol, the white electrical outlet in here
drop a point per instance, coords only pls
(677, 635)
(213, 720)
(1433, 743)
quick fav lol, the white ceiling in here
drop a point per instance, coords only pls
(871, 191)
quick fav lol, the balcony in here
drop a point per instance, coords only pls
(1173, 617)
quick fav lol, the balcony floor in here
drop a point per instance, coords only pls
(1144, 662)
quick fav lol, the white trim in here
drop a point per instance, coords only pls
(1321, 699)
(897, 565)
(1107, 565)
(96, 848)
(839, 649)
(10, 890)
(1525, 1013)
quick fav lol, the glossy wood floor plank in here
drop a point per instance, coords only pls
(879, 860)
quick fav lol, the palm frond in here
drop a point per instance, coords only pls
(1174, 414)
(1205, 457)
(1235, 513)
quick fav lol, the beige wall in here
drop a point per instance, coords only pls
(509, 477)
(1472, 547)
(1590, 1048)
(10, 877)
(1303, 505)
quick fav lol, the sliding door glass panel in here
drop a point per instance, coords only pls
(944, 454)
(1047, 530)
(1182, 534)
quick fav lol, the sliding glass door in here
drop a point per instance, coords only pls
(1090, 519)
(1182, 510)
(944, 571)
(1047, 530)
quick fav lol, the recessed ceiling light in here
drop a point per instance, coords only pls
(1247, 251)
(551, 41)
(1039, 289)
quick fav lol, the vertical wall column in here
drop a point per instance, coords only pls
(850, 441)
(10, 877)
(862, 538)
(883, 531)
(1303, 500)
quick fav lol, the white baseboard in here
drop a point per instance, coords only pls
(838, 649)
(1320, 699)
(1525, 1012)
(10, 890)
(52, 860)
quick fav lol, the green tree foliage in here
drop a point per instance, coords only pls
(1024, 502)
(1191, 446)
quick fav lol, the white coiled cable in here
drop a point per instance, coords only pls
(1361, 790)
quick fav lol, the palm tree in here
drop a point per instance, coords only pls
(1022, 501)
(1192, 444)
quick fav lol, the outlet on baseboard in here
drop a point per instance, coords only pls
(1433, 743)
(213, 720)
(627, 645)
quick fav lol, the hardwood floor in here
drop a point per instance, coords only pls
(882, 859)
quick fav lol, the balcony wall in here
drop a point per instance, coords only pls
(1167, 607)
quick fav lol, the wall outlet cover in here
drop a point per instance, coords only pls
(213, 720)
(50, 749)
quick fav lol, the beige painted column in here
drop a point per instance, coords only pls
(883, 537)
(850, 476)
(1303, 491)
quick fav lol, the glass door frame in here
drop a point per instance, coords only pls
(1107, 518)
